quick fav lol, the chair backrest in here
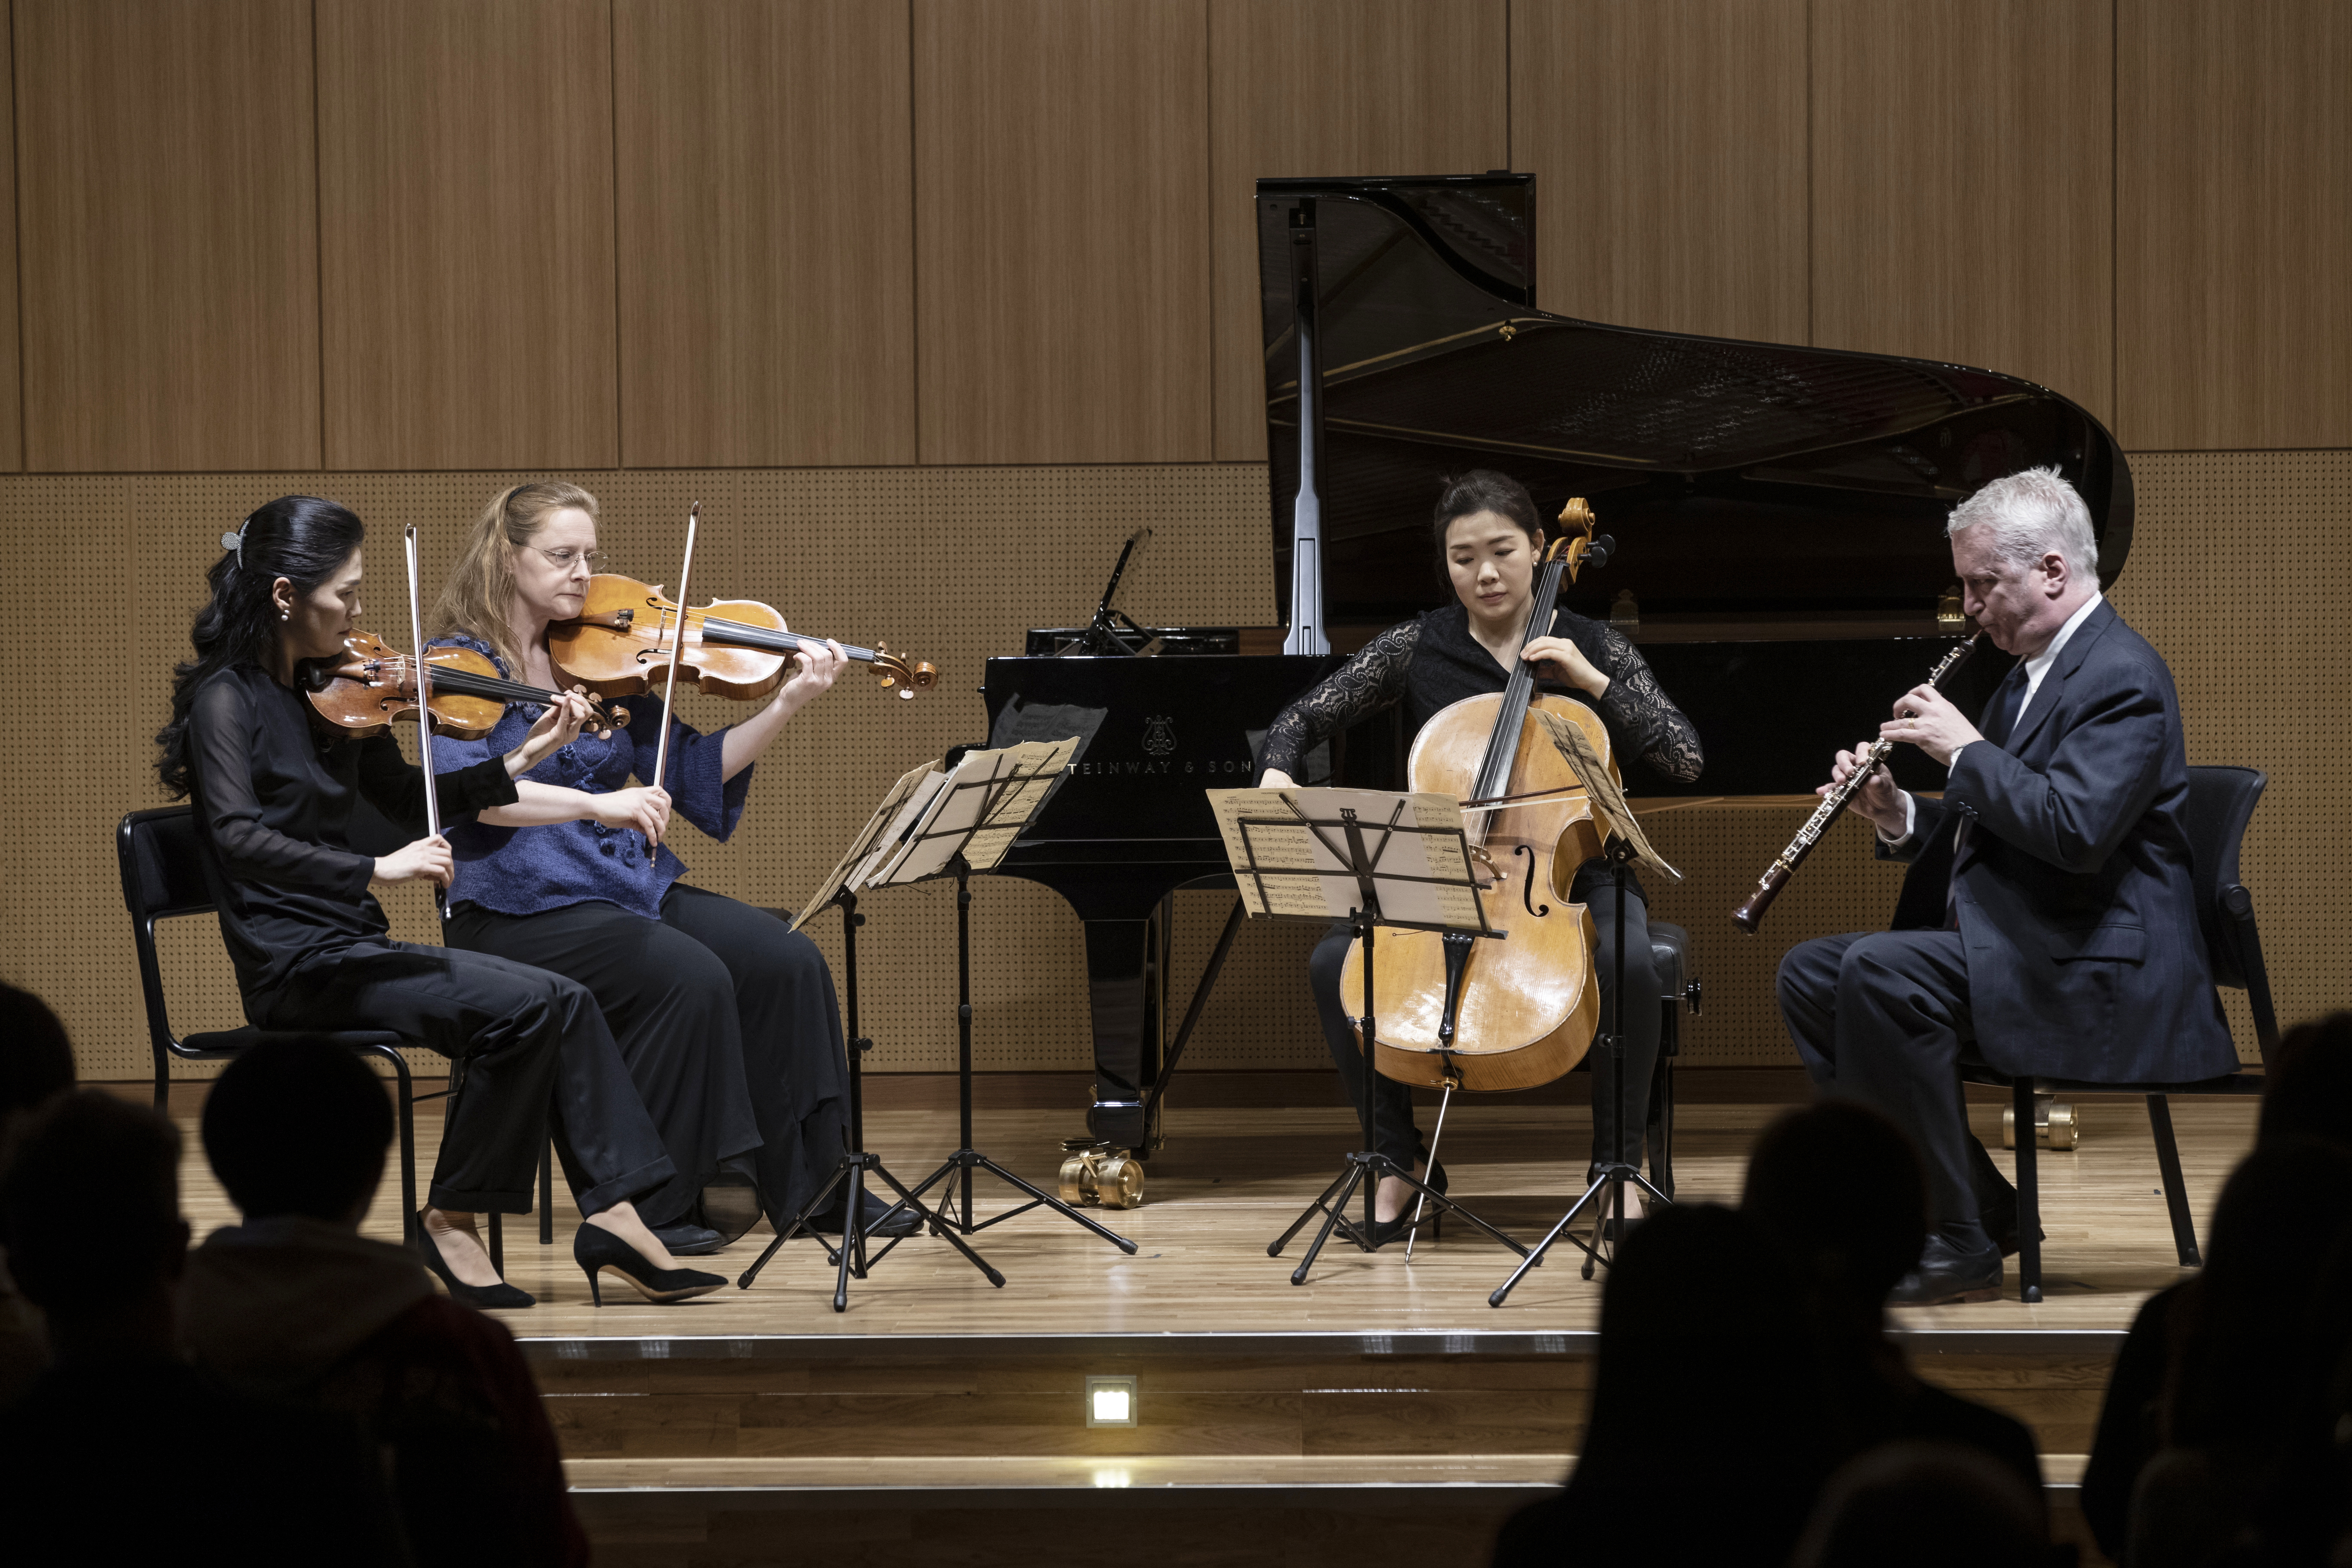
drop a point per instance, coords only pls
(2221, 801)
(163, 867)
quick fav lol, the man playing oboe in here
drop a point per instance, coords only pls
(2070, 944)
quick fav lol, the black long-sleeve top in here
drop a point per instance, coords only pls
(1432, 661)
(274, 797)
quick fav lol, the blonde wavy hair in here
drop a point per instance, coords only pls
(482, 585)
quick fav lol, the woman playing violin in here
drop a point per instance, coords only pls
(275, 796)
(1490, 543)
(725, 1017)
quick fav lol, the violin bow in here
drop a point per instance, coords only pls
(677, 645)
(424, 713)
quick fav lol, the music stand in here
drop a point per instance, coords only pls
(1325, 855)
(856, 1162)
(1623, 843)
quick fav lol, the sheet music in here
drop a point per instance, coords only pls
(1037, 765)
(861, 846)
(1421, 878)
(1608, 800)
(892, 843)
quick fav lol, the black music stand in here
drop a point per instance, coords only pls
(856, 1162)
(976, 843)
(1352, 859)
(1609, 1182)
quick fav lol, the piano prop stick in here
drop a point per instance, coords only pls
(955, 819)
(1372, 858)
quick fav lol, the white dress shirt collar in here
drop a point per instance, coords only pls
(2039, 665)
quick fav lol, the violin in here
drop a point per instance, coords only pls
(739, 648)
(364, 689)
(1475, 1013)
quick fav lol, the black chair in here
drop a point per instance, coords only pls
(1669, 950)
(2220, 803)
(163, 876)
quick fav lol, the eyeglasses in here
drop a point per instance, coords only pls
(565, 558)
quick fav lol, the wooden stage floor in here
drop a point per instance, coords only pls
(1230, 1179)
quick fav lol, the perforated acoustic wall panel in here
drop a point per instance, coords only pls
(2237, 574)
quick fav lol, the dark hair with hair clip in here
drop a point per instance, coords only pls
(1483, 490)
(299, 538)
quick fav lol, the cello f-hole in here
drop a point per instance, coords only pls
(1528, 883)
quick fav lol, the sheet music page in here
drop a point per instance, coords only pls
(1036, 764)
(874, 868)
(861, 845)
(1423, 878)
(1608, 801)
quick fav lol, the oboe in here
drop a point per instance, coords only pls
(1750, 914)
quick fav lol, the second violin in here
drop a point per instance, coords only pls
(620, 642)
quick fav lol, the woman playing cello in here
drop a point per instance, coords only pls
(274, 806)
(1489, 542)
(726, 1017)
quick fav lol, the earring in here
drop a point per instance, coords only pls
(285, 614)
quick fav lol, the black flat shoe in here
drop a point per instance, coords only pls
(500, 1297)
(596, 1249)
(1384, 1231)
(1947, 1274)
(828, 1222)
(687, 1239)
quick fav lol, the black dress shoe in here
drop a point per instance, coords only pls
(829, 1221)
(1945, 1274)
(687, 1239)
(1384, 1231)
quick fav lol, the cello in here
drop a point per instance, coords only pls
(1475, 1013)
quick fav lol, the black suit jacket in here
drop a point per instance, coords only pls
(2076, 897)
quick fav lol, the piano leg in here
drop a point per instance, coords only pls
(1120, 985)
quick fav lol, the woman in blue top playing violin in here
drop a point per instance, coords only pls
(725, 1017)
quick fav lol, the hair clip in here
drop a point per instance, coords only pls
(234, 543)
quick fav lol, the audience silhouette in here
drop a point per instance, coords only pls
(1705, 1371)
(2309, 1102)
(1849, 1254)
(133, 1455)
(1925, 1505)
(36, 1066)
(296, 1305)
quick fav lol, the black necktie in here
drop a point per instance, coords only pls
(2001, 713)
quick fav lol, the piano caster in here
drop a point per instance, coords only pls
(2054, 1124)
(1100, 1174)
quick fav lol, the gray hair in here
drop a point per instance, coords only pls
(2029, 515)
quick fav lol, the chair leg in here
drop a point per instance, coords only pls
(498, 1245)
(1662, 1128)
(2028, 1196)
(407, 1097)
(547, 1197)
(2176, 1190)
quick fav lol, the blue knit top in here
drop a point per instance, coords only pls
(523, 870)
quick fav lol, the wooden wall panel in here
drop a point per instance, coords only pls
(466, 155)
(1062, 232)
(765, 184)
(2233, 217)
(12, 409)
(1333, 86)
(1963, 185)
(168, 225)
(1668, 143)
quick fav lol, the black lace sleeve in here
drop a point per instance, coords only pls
(1371, 680)
(1660, 736)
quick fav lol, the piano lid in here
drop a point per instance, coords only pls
(1788, 491)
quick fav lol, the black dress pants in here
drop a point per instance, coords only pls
(727, 1020)
(529, 1056)
(1883, 1017)
(1394, 1133)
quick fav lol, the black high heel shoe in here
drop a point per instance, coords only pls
(499, 1297)
(595, 1250)
(1384, 1231)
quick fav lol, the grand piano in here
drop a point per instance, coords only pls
(1779, 557)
